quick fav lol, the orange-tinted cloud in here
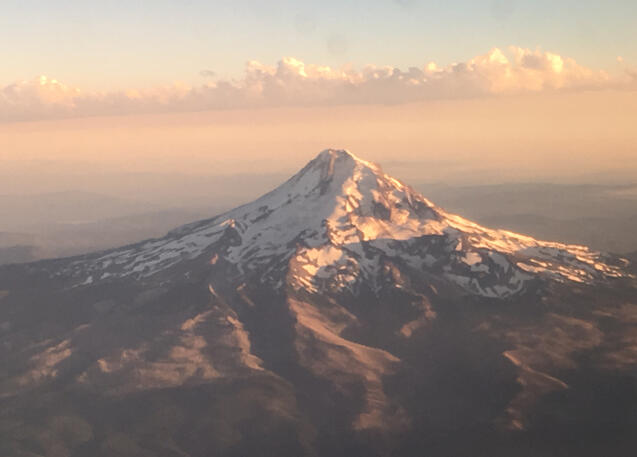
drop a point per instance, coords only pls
(292, 82)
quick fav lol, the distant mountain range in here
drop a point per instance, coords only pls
(341, 314)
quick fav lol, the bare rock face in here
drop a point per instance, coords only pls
(340, 314)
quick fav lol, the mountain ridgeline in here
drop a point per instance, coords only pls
(341, 314)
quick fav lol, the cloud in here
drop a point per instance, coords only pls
(207, 73)
(629, 71)
(292, 82)
(41, 97)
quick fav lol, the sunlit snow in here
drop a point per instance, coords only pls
(327, 217)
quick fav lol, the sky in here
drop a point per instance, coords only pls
(133, 43)
(438, 90)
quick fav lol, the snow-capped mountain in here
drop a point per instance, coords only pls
(341, 314)
(335, 222)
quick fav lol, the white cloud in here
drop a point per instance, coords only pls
(292, 82)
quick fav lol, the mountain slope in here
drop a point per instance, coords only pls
(339, 205)
(340, 314)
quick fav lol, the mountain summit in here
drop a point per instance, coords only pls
(337, 220)
(340, 314)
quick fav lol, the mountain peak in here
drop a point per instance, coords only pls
(329, 155)
(334, 162)
(338, 221)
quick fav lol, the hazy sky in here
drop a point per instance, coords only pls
(436, 90)
(568, 137)
(124, 43)
(72, 58)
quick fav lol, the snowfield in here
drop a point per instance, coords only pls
(337, 219)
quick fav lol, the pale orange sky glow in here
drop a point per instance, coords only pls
(458, 92)
(547, 137)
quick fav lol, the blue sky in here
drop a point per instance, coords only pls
(114, 44)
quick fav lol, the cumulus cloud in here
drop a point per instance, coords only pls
(292, 82)
(629, 71)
